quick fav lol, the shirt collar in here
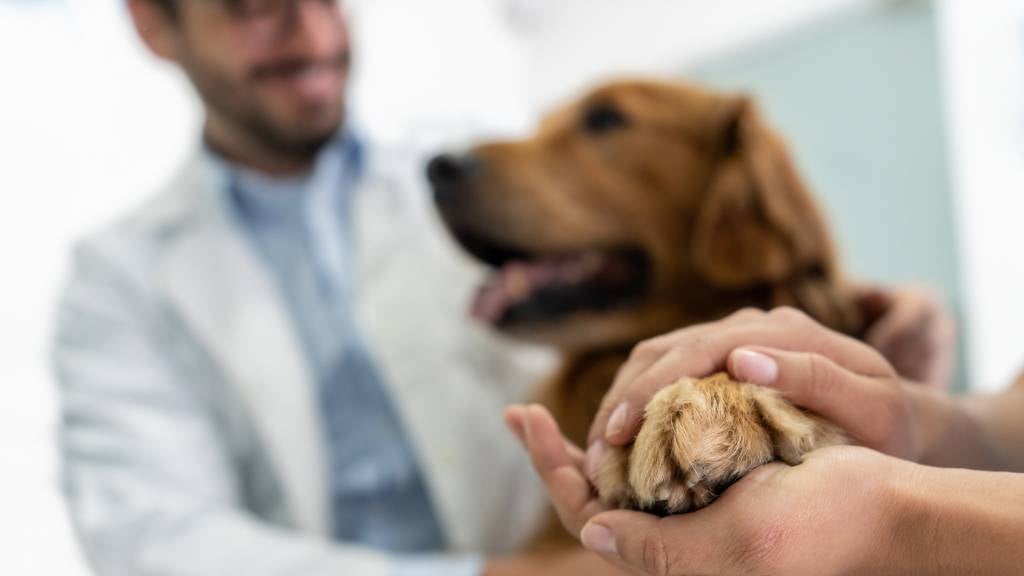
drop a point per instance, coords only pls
(262, 197)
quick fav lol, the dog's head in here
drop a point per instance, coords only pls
(636, 209)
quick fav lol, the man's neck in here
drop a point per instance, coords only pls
(250, 153)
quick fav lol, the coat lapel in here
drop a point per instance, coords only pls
(227, 298)
(439, 366)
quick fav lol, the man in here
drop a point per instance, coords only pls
(935, 487)
(265, 369)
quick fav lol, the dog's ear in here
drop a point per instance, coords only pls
(756, 224)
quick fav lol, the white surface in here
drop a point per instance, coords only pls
(433, 70)
(984, 54)
(87, 123)
(585, 40)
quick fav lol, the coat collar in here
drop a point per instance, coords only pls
(215, 280)
(450, 378)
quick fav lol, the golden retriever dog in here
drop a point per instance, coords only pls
(638, 209)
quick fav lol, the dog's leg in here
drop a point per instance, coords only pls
(700, 436)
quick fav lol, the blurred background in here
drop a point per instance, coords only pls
(907, 118)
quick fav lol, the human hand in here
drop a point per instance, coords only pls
(835, 376)
(836, 513)
(915, 333)
(777, 520)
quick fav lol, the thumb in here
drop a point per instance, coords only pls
(651, 545)
(708, 541)
(814, 382)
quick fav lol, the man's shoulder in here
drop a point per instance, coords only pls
(395, 161)
(134, 238)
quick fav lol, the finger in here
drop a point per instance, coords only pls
(918, 337)
(906, 322)
(707, 541)
(656, 364)
(874, 303)
(611, 407)
(560, 469)
(642, 358)
(576, 455)
(857, 403)
(515, 416)
(911, 356)
(700, 351)
(677, 363)
(909, 313)
(940, 371)
(685, 544)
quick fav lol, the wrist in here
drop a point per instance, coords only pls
(947, 432)
(939, 424)
(893, 519)
(949, 521)
(953, 434)
(909, 523)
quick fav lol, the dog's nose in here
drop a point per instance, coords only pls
(448, 170)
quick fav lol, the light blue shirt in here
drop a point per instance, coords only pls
(300, 226)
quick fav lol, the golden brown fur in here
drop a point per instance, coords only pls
(700, 436)
(698, 182)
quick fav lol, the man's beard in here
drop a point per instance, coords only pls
(228, 99)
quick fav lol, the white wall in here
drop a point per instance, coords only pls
(86, 124)
(984, 55)
(581, 41)
(427, 71)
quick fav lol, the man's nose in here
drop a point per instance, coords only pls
(449, 173)
(318, 24)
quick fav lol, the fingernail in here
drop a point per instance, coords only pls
(592, 461)
(618, 420)
(755, 367)
(600, 539)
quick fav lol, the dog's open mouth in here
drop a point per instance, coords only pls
(535, 288)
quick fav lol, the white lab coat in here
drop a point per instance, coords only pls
(191, 439)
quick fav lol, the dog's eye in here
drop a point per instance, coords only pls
(604, 118)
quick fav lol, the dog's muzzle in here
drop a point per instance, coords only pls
(451, 175)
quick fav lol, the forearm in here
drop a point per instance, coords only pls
(978, 432)
(957, 522)
(1000, 419)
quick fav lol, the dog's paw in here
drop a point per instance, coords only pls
(700, 436)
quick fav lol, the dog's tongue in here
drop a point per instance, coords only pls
(518, 281)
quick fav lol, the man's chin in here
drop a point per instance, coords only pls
(307, 144)
(304, 130)
(309, 117)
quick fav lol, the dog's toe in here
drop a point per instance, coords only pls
(701, 436)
